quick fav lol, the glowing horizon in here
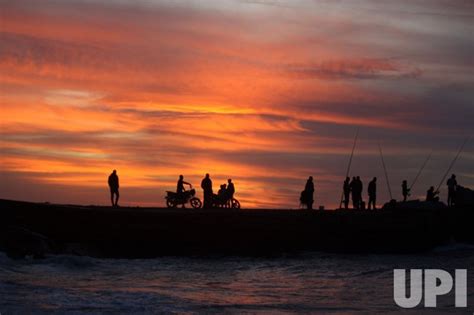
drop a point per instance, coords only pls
(264, 92)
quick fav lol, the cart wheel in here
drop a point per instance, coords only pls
(235, 204)
(170, 203)
(195, 203)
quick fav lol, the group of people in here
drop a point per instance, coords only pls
(432, 195)
(225, 193)
(353, 189)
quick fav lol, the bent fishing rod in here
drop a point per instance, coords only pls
(453, 161)
(421, 170)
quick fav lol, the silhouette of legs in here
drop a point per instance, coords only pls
(451, 195)
(356, 202)
(117, 195)
(371, 202)
(346, 201)
(207, 200)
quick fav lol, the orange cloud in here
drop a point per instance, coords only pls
(264, 95)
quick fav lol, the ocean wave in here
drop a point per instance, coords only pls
(71, 261)
(454, 247)
(4, 257)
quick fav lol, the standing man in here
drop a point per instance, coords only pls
(360, 189)
(353, 188)
(405, 190)
(372, 190)
(230, 192)
(347, 192)
(309, 191)
(452, 187)
(206, 185)
(114, 188)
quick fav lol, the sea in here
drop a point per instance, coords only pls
(307, 282)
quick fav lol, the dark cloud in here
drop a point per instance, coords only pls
(354, 69)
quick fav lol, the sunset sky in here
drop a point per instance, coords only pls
(264, 92)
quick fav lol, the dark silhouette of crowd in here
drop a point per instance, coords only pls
(356, 187)
(224, 195)
(352, 190)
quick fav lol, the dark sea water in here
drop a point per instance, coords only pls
(308, 282)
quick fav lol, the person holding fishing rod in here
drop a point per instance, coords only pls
(432, 195)
(452, 183)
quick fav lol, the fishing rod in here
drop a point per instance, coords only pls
(385, 171)
(350, 162)
(421, 170)
(452, 162)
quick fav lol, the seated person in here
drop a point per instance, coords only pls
(222, 194)
(431, 195)
(180, 186)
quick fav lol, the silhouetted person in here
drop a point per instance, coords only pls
(206, 185)
(353, 187)
(431, 195)
(222, 195)
(114, 188)
(356, 189)
(180, 186)
(372, 191)
(347, 192)
(360, 189)
(452, 187)
(405, 190)
(230, 191)
(308, 193)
